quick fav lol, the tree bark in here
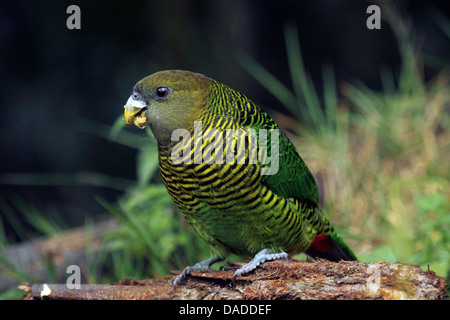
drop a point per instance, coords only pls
(284, 279)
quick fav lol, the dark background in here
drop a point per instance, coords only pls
(53, 78)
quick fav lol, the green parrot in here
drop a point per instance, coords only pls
(233, 173)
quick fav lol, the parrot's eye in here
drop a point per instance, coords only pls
(163, 93)
(135, 96)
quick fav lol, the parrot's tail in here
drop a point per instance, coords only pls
(330, 247)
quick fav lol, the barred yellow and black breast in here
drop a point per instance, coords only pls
(225, 200)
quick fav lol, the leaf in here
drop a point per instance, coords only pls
(431, 202)
(147, 163)
(382, 253)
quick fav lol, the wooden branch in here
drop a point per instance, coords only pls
(283, 279)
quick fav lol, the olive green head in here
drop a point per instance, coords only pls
(168, 100)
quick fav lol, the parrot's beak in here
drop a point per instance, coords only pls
(133, 110)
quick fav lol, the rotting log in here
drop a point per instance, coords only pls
(284, 279)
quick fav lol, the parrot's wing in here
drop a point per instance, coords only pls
(293, 178)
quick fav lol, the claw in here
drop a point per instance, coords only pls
(181, 277)
(261, 257)
(198, 267)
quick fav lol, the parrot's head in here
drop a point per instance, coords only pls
(166, 101)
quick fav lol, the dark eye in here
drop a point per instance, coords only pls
(163, 92)
(135, 96)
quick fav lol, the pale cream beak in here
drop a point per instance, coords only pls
(132, 108)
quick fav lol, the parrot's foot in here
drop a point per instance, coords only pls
(201, 266)
(261, 257)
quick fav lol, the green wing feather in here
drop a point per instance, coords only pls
(294, 180)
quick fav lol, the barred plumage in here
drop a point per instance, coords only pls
(231, 204)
